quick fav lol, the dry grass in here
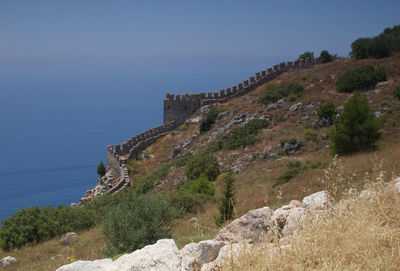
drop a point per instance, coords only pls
(52, 254)
(357, 233)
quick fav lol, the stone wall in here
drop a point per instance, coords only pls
(118, 156)
(178, 108)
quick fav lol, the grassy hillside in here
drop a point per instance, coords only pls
(256, 183)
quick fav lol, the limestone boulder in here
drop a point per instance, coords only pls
(7, 261)
(316, 201)
(162, 256)
(248, 228)
(295, 220)
(195, 255)
(98, 265)
(228, 255)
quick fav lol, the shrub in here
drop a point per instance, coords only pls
(202, 163)
(305, 55)
(310, 134)
(364, 77)
(185, 202)
(35, 224)
(361, 48)
(137, 223)
(227, 201)
(327, 110)
(356, 129)
(379, 47)
(396, 92)
(292, 140)
(273, 92)
(325, 57)
(202, 186)
(246, 135)
(101, 169)
(209, 120)
(295, 168)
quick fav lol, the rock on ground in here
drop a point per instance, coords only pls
(162, 256)
(195, 255)
(98, 265)
(248, 227)
(6, 261)
(316, 201)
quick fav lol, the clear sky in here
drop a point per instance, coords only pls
(99, 29)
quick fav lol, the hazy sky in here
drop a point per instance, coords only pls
(97, 29)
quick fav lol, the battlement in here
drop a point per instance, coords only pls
(178, 108)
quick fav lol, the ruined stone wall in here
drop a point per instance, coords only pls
(118, 156)
(178, 109)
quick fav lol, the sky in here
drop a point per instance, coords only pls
(99, 29)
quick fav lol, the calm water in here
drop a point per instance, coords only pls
(57, 117)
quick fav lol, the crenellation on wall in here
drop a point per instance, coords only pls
(178, 107)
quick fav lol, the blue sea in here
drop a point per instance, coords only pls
(58, 116)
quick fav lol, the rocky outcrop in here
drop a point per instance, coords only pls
(248, 227)
(7, 261)
(162, 256)
(240, 235)
(194, 256)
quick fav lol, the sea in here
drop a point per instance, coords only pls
(58, 116)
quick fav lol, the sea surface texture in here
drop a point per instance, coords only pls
(57, 117)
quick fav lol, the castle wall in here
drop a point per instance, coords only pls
(178, 109)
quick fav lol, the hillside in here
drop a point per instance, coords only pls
(293, 139)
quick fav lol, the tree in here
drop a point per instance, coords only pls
(227, 201)
(325, 57)
(305, 55)
(327, 110)
(202, 186)
(101, 169)
(361, 48)
(356, 129)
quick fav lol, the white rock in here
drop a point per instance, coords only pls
(295, 220)
(227, 255)
(316, 201)
(162, 256)
(98, 265)
(6, 261)
(248, 227)
(194, 256)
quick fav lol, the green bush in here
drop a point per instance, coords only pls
(295, 168)
(325, 57)
(203, 163)
(184, 201)
(364, 77)
(101, 169)
(209, 119)
(137, 223)
(246, 135)
(361, 48)
(327, 110)
(227, 201)
(292, 140)
(380, 46)
(356, 129)
(396, 92)
(202, 186)
(305, 55)
(273, 92)
(35, 224)
(310, 134)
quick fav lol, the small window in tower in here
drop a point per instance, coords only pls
(185, 107)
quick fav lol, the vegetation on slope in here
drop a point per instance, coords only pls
(361, 78)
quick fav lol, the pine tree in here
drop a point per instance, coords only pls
(356, 129)
(101, 169)
(227, 200)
